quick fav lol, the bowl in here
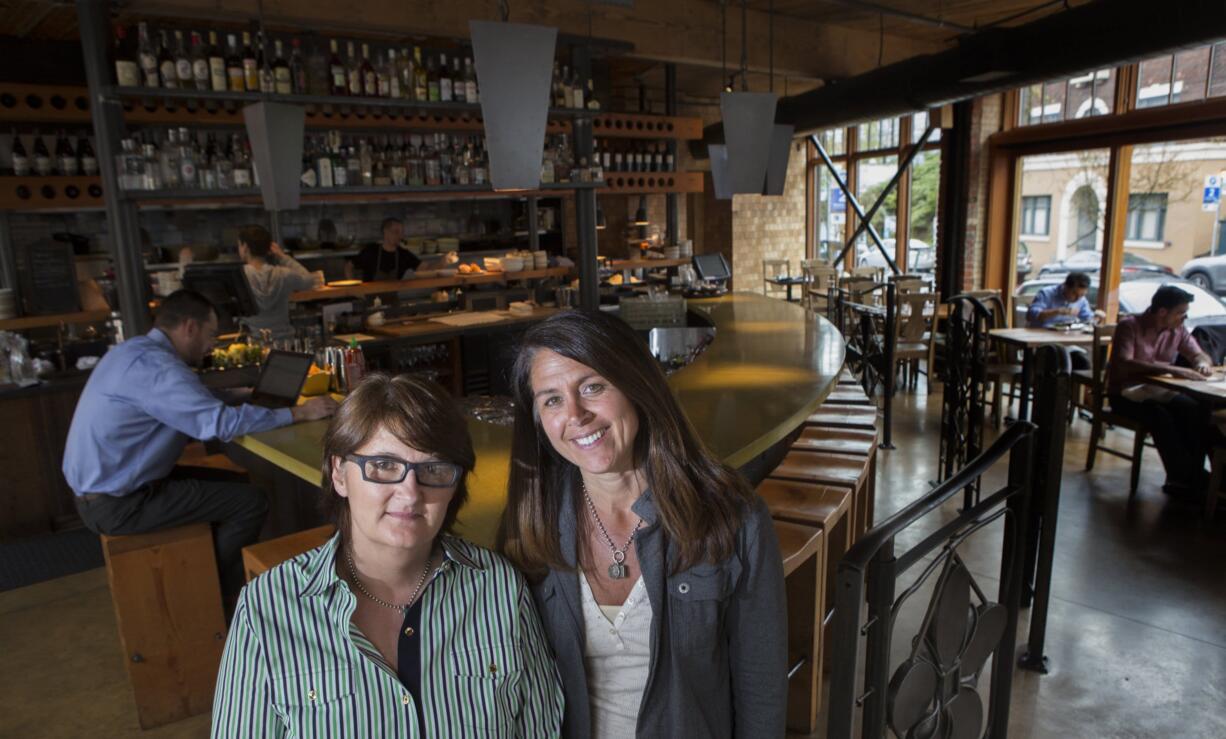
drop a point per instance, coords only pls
(512, 264)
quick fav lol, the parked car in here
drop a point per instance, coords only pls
(1207, 272)
(1023, 262)
(921, 257)
(1135, 297)
(1090, 261)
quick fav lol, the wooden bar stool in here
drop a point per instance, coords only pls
(804, 578)
(860, 442)
(839, 470)
(828, 508)
(844, 417)
(172, 626)
(847, 395)
(262, 556)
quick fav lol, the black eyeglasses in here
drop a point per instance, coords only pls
(390, 470)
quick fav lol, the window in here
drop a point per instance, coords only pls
(1146, 216)
(881, 134)
(1036, 215)
(1083, 96)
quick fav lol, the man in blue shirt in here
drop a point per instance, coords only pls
(141, 405)
(1063, 303)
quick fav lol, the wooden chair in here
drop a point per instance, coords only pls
(909, 284)
(820, 276)
(915, 335)
(834, 470)
(1003, 363)
(1101, 415)
(262, 556)
(172, 625)
(876, 274)
(804, 571)
(774, 268)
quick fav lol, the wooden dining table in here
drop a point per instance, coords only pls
(1211, 391)
(1030, 339)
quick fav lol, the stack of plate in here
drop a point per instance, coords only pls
(687, 249)
(540, 259)
(672, 252)
(8, 304)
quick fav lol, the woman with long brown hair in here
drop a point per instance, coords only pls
(654, 566)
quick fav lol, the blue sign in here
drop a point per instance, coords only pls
(1212, 193)
(837, 201)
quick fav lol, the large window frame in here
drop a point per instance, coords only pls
(1128, 125)
(848, 161)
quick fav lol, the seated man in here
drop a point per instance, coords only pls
(1063, 303)
(273, 276)
(1146, 345)
(139, 408)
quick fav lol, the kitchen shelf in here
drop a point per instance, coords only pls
(428, 283)
(47, 321)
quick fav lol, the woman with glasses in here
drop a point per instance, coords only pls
(654, 565)
(393, 627)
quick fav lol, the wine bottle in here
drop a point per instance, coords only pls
(264, 64)
(251, 65)
(283, 80)
(127, 68)
(85, 154)
(354, 72)
(21, 160)
(200, 63)
(42, 157)
(445, 89)
(421, 84)
(166, 64)
(217, 65)
(459, 92)
(391, 73)
(336, 69)
(148, 58)
(432, 81)
(470, 82)
(297, 69)
(65, 157)
(234, 65)
(404, 69)
(370, 81)
(183, 63)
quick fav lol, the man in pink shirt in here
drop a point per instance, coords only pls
(1147, 345)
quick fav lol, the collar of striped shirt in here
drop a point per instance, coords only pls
(321, 576)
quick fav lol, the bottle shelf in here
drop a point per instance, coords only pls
(44, 104)
(53, 192)
(646, 183)
(212, 199)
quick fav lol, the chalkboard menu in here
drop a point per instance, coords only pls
(48, 278)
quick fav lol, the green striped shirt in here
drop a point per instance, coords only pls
(295, 665)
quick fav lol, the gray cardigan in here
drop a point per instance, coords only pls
(718, 634)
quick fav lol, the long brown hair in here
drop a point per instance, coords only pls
(416, 411)
(699, 499)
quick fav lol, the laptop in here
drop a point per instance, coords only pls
(281, 379)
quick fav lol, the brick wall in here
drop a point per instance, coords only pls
(985, 121)
(769, 227)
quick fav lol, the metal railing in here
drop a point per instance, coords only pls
(962, 403)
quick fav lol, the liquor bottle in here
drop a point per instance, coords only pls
(234, 65)
(127, 68)
(366, 161)
(148, 58)
(353, 72)
(564, 93)
(206, 167)
(323, 166)
(434, 174)
(183, 63)
(85, 154)
(65, 157)
(446, 160)
(577, 89)
(445, 89)
(223, 165)
(380, 174)
(318, 72)
(21, 160)
(150, 174)
(480, 165)
(336, 69)
(217, 65)
(370, 80)
(658, 161)
(283, 80)
(340, 172)
(404, 71)
(391, 73)
(42, 157)
(168, 159)
(592, 102)
(417, 174)
(670, 164)
(306, 169)
(555, 85)
(268, 82)
(188, 176)
(242, 164)
(297, 69)
(421, 82)
(432, 81)
(200, 63)
(353, 166)
(464, 163)
(251, 65)
(470, 82)
(166, 64)
(459, 92)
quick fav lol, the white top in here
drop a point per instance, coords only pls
(617, 657)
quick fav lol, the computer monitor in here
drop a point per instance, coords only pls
(227, 289)
(712, 267)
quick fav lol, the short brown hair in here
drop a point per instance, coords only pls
(416, 411)
(257, 239)
(183, 305)
(700, 500)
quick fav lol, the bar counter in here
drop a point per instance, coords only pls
(770, 365)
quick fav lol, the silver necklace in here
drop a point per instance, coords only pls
(353, 571)
(617, 570)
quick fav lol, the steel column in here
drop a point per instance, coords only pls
(672, 216)
(123, 228)
(8, 261)
(534, 226)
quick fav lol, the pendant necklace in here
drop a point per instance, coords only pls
(617, 570)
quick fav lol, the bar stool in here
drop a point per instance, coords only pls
(262, 556)
(804, 570)
(838, 470)
(828, 508)
(844, 417)
(860, 442)
(848, 395)
(172, 626)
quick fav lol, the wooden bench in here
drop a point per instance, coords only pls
(804, 572)
(262, 556)
(172, 626)
(827, 508)
(839, 470)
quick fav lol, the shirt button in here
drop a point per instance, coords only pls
(404, 699)
(613, 632)
(311, 695)
(493, 669)
(683, 588)
(408, 631)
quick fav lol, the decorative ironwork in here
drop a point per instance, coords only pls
(963, 402)
(934, 693)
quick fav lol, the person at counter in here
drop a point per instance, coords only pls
(273, 276)
(387, 260)
(394, 627)
(655, 566)
(141, 405)
(1145, 345)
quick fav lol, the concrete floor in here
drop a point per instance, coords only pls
(1136, 637)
